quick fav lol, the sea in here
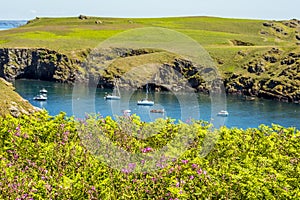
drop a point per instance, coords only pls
(8, 24)
(79, 101)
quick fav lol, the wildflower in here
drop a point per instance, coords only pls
(16, 156)
(126, 171)
(66, 133)
(199, 171)
(18, 127)
(17, 134)
(131, 165)
(25, 136)
(194, 166)
(185, 161)
(177, 184)
(171, 170)
(191, 177)
(146, 150)
(204, 172)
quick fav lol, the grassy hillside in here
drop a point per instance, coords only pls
(217, 35)
(11, 102)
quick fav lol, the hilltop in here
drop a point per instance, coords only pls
(254, 57)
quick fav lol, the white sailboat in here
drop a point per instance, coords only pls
(115, 96)
(145, 101)
(42, 96)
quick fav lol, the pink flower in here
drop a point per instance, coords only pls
(185, 161)
(18, 127)
(146, 150)
(199, 171)
(191, 177)
(131, 165)
(16, 156)
(17, 134)
(194, 166)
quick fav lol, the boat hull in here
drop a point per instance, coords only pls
(145, 103)
(112, 98)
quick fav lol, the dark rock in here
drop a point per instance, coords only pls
(241, 43)
(82, 17)
(278, 29)
(268, 24)
(264, 33)
(270, 59)
(241, 53)
(273, 84)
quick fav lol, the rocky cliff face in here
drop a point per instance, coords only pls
(39, 63)
(273, 75)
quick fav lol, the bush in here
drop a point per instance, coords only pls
(44, 157)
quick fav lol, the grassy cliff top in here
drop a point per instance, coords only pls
(223, 38)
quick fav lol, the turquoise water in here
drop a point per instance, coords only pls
(242, 114)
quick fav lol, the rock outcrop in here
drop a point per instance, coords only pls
(39, 63)
(11, 102)
(272, 75)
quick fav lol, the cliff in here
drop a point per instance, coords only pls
(273, 74)
(38, 63)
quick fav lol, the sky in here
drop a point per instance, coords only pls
(254, 9)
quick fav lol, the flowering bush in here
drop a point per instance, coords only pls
(44, 157)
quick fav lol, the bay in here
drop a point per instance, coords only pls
(242, 114)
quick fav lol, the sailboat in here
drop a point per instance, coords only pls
(42, 96)
(145, 101)
(114, 96)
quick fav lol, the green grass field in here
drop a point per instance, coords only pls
(216, 35)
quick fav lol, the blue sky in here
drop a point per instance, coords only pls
(256, 9)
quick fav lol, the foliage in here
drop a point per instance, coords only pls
(44, 157)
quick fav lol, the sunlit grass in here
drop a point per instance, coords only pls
(71, 34)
